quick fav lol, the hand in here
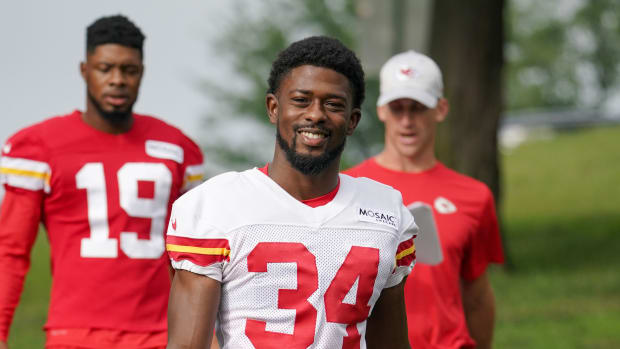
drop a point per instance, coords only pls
(3, 345)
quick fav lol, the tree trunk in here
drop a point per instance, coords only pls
(467, 39)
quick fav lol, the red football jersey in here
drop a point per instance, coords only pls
(105, 204)
(464, 211)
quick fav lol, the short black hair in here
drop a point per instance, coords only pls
(116, 29)
(320, 51)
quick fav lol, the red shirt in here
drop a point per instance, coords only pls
(464, 212)
(105, 201)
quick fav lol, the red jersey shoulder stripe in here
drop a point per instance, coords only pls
(202, 252)
(405, 253)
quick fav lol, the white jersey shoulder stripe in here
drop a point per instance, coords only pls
(25, 173)
(193, 176)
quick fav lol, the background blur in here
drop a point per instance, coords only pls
(535, 113)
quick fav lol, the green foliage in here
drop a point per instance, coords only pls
(561, 55)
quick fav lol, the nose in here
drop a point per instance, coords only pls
(407, 117)
(117, 77)
(315, 112)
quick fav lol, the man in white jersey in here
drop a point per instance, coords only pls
(294, 255)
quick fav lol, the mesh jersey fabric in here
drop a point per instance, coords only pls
(105, 203)
(464, 212)
(288, 270)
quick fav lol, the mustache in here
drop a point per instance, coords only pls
(319, 127)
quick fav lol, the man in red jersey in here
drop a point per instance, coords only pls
(449, 305)
(102, 182)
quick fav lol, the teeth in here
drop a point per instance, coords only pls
(313, 135)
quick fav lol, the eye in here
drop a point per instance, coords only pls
(334, 106)
(396, 108)
(131, 69)
(299, 100)
(419, 107)
(104, 68)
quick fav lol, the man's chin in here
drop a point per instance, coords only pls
(116, 116)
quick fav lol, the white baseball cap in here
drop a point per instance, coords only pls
(410, 75)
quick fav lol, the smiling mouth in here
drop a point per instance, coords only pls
(313, 135)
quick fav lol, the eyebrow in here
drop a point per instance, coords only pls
(331, 95)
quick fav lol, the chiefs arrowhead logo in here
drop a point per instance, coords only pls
(406, 72)
(174, 224)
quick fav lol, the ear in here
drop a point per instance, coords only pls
(443, 108)
(271, 102)
(354, 120)
(83, 70)
(382, 112)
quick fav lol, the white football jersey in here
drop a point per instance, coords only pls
(292, 276)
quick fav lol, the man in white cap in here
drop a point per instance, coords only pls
(451, 304)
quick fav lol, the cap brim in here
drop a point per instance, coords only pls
(418, 95)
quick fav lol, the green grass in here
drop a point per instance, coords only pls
(562, 220)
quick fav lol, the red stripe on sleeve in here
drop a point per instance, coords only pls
(408, 248)
(202, 252)
(406, 261)
(207, 243)
(404, 245)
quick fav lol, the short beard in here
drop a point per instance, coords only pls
(307, 164)
(113, 117)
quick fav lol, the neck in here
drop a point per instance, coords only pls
(93, 118)
(392, 160)
(299, 185)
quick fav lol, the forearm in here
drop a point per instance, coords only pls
(387, 325)
(192, 309)
(479, 303)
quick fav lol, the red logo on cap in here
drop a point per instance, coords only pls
(174, 224)
(407, 71)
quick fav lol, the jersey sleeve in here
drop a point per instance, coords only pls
(405, 252)
(194, 166)
(485, 245)
(193, 245)
(24, 164)
(19, 222)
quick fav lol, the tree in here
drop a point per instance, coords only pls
(469, 51)
(467, 39)
(562, 53)
(250, 43)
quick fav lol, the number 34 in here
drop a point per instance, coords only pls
(362, 262)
